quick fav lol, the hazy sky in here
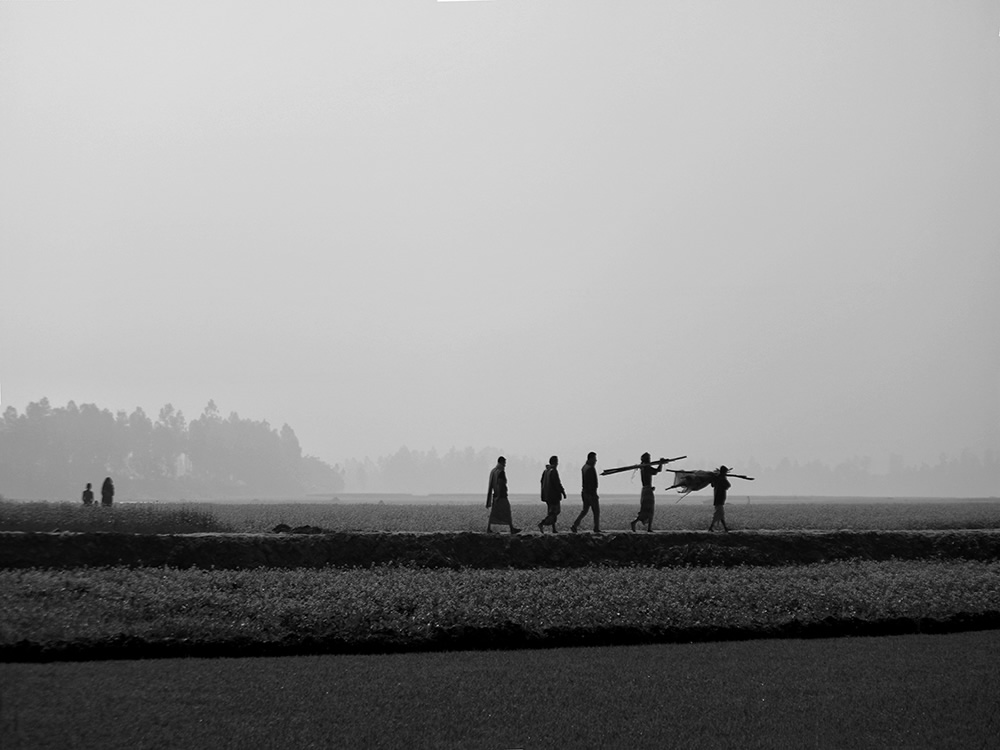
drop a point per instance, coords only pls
(725, 229)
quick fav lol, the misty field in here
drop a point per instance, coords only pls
(184, 518)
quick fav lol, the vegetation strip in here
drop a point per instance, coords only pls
(102, 613)
(477, 550)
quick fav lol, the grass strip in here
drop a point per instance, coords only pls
(389, 607)
(692, 515)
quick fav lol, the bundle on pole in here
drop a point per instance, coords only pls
(692, 480)
(657, 462)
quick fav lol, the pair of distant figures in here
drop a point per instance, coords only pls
(107, 493)
(553, 493)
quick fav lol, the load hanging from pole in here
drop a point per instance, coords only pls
(692, 480)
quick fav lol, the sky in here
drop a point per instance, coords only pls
(718, 229)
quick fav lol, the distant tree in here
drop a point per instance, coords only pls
(51, 453)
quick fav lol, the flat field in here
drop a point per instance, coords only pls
(916, 691)
(181, 518)
(900, 691)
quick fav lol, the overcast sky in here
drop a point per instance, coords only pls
(721, 229)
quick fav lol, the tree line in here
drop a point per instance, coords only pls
(51, 452)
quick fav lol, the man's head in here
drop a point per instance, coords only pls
(501, 461)
(724, 469)
(644, 458)
(553, 460)
(88, 485)
(592, 458)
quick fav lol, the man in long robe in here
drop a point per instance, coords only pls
(497, 500)
(647, 501)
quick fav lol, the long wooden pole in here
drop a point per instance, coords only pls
(659, 461)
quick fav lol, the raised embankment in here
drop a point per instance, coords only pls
(478, 550)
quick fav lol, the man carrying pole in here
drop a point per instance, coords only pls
(721, 485)
(647, 501)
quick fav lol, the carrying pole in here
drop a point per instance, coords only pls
(658, 462)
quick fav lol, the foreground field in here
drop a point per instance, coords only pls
(351, 586)
(152, 518)
(115, 612)
(911, 691)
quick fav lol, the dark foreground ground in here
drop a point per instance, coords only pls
(477, 550)
(918, 691)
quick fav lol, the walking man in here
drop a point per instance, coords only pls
(588, 493)
(721, 485)
(647, 502)
(496, 498)
(552, 494)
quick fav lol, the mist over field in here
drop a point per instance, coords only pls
(419, 235)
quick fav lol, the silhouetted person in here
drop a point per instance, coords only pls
(647, 501)
(496, 498)
(588, 493)
(107, 492)
(552, 494)
(721, 485)
(88, 495)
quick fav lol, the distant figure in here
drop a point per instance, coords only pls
(107, 492)
(88, 495)
(721, 485)
(589, 494)
(647, 501)
(496, 498)
(552, 494)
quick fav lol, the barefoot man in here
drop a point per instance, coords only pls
(647, 501)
